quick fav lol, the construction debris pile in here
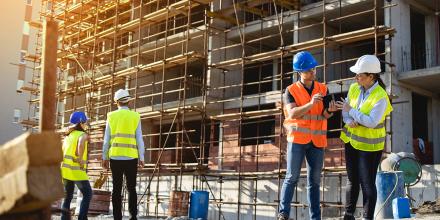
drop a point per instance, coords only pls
(429, 207)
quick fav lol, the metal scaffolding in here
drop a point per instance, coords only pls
(207, 78)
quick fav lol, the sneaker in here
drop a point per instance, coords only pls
(281, 216)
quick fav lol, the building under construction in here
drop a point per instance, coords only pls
(208, 77)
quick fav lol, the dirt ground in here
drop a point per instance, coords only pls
(417, 217)
(427, 211)
(429, 207)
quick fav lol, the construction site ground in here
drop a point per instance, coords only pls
(417, 217)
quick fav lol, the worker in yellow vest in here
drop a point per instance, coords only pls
(124, 147)
(306, 113)
(73, 167)
(364, 112)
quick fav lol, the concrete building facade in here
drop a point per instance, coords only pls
(208, 78)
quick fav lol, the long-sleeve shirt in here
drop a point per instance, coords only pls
(371, 120)
(139, 142)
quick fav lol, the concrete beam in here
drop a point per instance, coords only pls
(417, 90)
(422, 8)
(434, 71)
(251, 100)
(307, 12)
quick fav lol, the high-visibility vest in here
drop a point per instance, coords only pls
(311, 127)
(361, 137)
(123, 124)
(70, 168)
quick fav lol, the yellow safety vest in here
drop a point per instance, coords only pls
(123, 124)
(361, 137)
(70, 168)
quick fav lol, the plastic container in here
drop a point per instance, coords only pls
(199, 202)
(385, 182)
(405, 162)
(401, 208)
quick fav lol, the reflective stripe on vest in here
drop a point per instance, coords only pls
(308, 131)
(123, 124)
(124, 145)
(361, 137)
(312, 117)
(311, 127)
(70, 168)
(123, 135)
(68, 157)
(380, 125)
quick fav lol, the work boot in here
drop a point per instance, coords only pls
(349, 216)
(281, 216)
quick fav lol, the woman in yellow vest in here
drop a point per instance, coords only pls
(73, 167)
(364, 111)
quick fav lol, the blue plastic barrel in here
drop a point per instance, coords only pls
(385, 182)
(401, 208)
(199, 203)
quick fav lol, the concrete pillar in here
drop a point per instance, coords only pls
(398, 17)
(399, 53)
(220, 146)
(431, 32)
(436, 129)
(274, 73)
(49, 75)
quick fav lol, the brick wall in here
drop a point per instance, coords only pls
(268, 154)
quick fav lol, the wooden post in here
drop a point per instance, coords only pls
(49, 76)
(30, 177)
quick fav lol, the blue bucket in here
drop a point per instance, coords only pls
(401, 208)
(385, 182)
(199, 203)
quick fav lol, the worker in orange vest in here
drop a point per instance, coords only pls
(305, 122)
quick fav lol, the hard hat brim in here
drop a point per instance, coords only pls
(355, 70)
(124, 99)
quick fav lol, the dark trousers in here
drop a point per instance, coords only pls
(361, 170)
(86, 190)
(119, 169)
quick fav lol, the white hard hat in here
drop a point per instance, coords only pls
(121, 95)
(366, 64)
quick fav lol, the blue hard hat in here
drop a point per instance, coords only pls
(304, 61)
(78, 117)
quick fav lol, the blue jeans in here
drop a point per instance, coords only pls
(314, 158)
(86, 190)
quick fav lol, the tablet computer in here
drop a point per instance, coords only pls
(328, 98)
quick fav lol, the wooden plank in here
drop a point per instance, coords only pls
(30, 176)
(221, 16)
(36, 24)
(41, 214)
(253, 114)
(339, 39)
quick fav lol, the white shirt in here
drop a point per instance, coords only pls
(371, 120)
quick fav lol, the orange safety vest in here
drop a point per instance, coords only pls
(313, 125)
